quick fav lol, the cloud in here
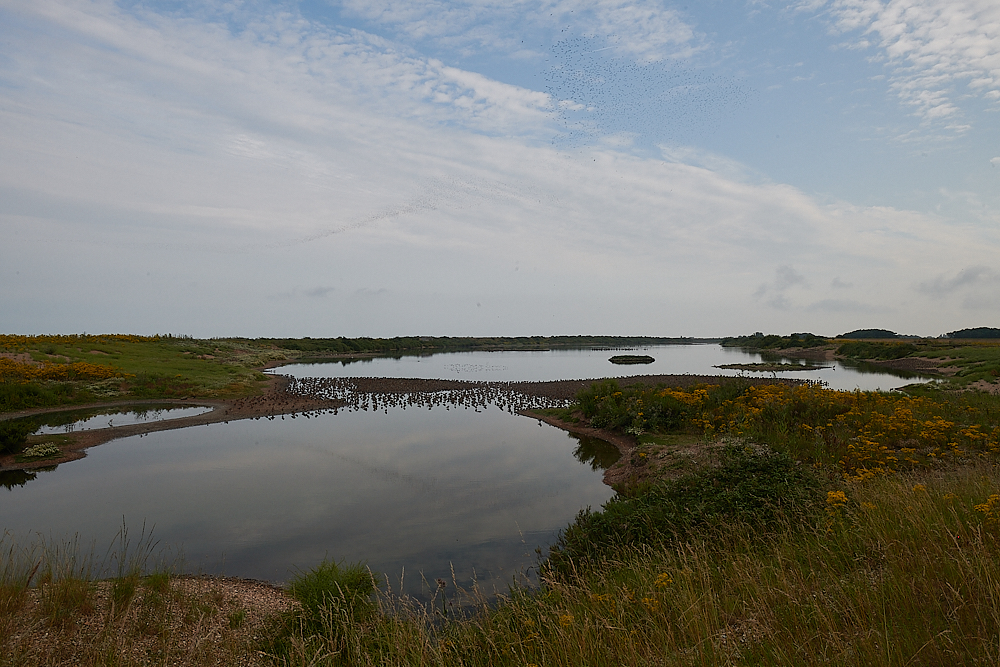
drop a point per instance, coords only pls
(932, 47)
(209, 162)
(310, 293)
(995, 161)
(785, 277)
(644, 30)
(319, 292)
(230, 56)
(846, 306)
(970, 277)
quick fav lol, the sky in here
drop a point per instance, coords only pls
(485, 167)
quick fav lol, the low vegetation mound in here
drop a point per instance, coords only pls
(758, 488)
(977, 333)
(869, 333)
(881, 351)
(632, 359)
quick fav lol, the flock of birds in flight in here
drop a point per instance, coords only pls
(652, 102)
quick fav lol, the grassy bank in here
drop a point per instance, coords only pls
(42, 371)
(823, 527)
(958, 362)
(46, 371)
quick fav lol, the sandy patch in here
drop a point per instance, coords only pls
(194, 621)
(20, 357)
(987, 386)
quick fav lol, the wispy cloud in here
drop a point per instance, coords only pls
(940, 52)
(971, 277)
(785, 277)
(645, 30)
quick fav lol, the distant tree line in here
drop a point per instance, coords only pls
(978, 332)
(415, 344)
(759, 341)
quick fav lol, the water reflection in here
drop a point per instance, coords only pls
(84, 420)
(11, 478)
(865, 368)
(599, 454)
(414, 493)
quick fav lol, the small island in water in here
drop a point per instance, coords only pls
(770, 367)
(632, 359)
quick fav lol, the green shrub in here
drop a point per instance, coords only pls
(14, 433)
(866, 350)
(762, 489)
(638, 409)
(334, 587)
(19, 396)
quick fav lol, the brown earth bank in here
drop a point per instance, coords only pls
(275, 400)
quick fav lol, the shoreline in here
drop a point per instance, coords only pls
(276, 401)
(615, 474)
(273, 402)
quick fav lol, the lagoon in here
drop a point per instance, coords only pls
(699, 359)
(415, 493)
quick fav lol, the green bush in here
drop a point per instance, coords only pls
(20, 396)
(865, 350)
(14, 433)
(332, 587)
(774, 342)
(337, 603)
(762, 489)
(639, 409)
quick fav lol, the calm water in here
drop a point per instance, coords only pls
(578, 364)
(417, 491)
(67, 422)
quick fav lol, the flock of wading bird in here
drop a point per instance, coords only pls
(310, 396)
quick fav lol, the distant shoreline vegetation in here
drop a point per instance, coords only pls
(977, 333)
(759, 341)
(447, 343)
